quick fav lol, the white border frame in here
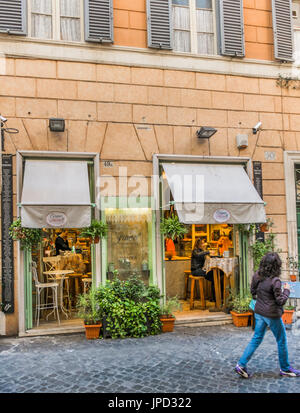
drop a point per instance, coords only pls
(20, 155)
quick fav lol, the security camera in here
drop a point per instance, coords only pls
(256, 128)
(3, 119)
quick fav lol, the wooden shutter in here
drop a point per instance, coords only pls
(159, 24)
(232, 28)
(282, 29)
(99, 21)
(13, 16)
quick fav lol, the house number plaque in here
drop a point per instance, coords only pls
(7, 248)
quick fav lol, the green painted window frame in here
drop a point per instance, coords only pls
(120, 203)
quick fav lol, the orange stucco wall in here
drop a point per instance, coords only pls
(130, 26)
(258, 29)
(130, 23)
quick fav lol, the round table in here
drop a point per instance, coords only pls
(227, 265)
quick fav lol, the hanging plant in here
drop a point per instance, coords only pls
(97, 230)
(28, 237)
(172, 228)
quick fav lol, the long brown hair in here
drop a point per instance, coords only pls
(197, 246)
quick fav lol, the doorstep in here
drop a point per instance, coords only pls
(51, 331)
(203, 321)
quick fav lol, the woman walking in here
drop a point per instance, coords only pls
(266, 289)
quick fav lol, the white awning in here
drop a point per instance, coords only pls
(55, 194)
(214, 193)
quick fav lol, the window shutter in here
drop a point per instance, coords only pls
(99, 21)
(13, 17)
(232, 28)
(159, 24)
(282, 29)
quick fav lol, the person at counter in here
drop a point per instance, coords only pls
(197, 263)
(61, 243)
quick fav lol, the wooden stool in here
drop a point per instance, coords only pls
(86, 283)
(187, 273)
(201, 289)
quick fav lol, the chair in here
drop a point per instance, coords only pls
(86, 284)
(39, 289)
(53, 264)
(201, 289)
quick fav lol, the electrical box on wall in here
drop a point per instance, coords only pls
(242, 141)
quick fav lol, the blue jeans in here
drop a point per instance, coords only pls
(277, 327)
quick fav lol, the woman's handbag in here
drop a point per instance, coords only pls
(252, 304)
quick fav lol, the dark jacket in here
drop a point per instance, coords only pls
(198, 259)
(61, 245)
(269, 295)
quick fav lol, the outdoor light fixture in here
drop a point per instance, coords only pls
(206, 132)
(57, 125)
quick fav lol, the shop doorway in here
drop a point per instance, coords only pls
(57, 193)
(61, 270)
(211, 198)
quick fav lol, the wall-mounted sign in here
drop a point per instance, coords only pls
(56, 219)
(221, 215)
(108, 164)
(7, 242)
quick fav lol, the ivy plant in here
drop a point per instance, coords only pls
(97, 229)
(28, 237)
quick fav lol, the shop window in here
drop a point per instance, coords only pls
(193, 26)
(129, 242)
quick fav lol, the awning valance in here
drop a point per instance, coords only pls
(55, 194)
(214, 193)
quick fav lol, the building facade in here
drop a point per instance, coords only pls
(134, 81)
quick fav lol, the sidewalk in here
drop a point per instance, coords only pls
(189, 360)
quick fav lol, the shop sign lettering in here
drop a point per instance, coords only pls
(56, 219)
(221, 215)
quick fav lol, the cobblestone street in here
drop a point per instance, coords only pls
(189, 360)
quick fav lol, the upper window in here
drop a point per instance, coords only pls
(56, 19)
(194, 26)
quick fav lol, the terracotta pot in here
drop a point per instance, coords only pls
(287, 316)
(264, 227)
(96, 240)
(293, 277)
(240, 319)
(92, 331)
(167, 324)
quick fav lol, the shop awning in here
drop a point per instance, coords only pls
(55, 194)
(214, 193)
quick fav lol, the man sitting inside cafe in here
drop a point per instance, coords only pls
(61, 243)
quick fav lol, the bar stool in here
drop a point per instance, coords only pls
(201, 289)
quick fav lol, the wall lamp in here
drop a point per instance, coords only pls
(57, 125)
(205, 132)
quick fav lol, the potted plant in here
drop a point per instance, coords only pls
(240, 310)
(172, 228)
(287, 316)
(293, 267)
(90, 311)
(28, 237)
(97, 230)
(167, 318)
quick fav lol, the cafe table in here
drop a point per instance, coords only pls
(59, 276)
(228, 266)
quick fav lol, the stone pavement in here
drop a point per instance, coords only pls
(189, 360)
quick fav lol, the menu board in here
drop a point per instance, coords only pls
(7, 249)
